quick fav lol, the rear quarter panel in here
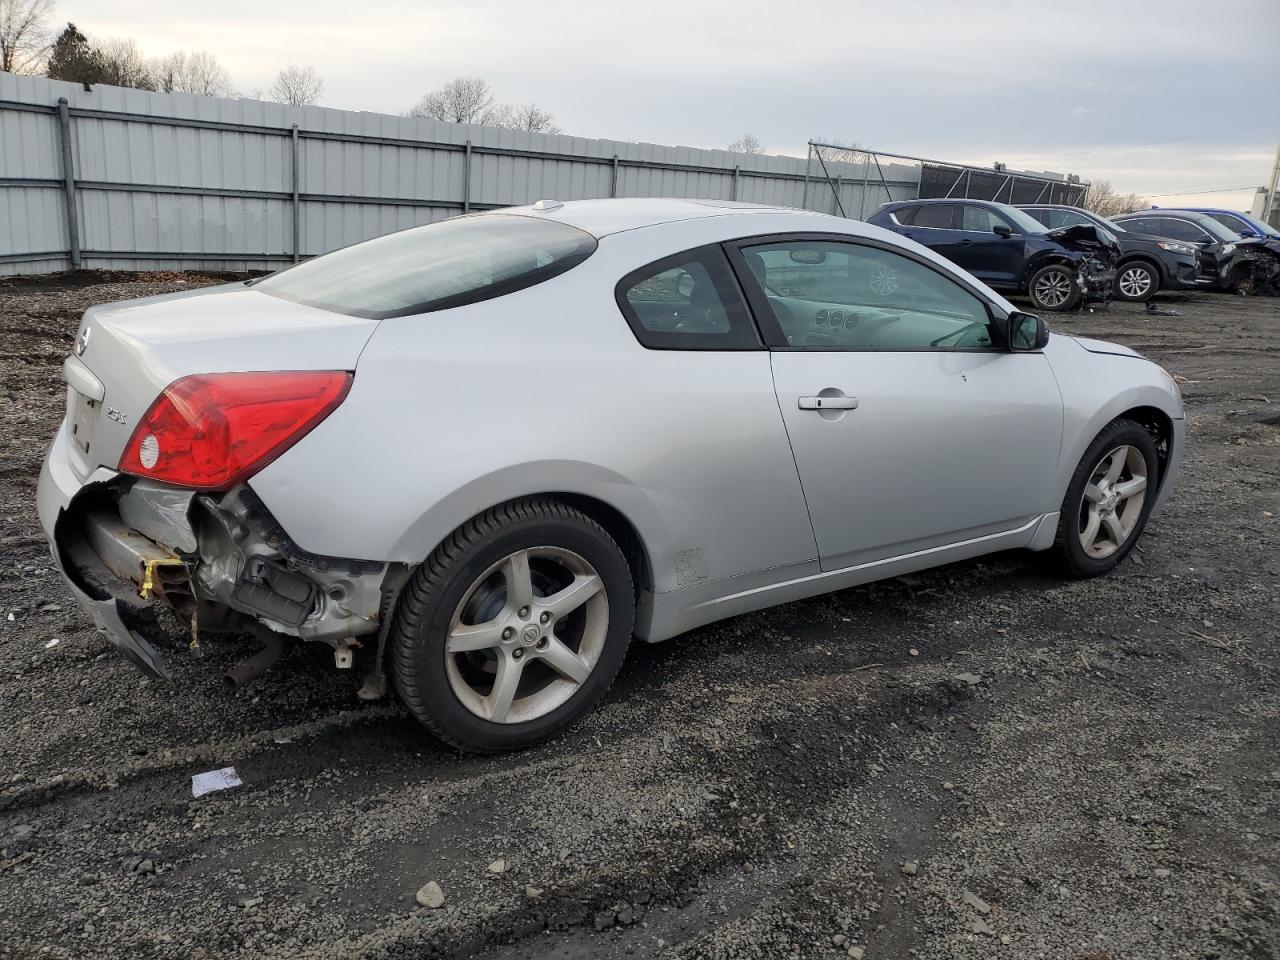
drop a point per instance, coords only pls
(543, 391)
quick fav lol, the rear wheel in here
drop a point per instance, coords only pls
(1136, 281)
(514, 627)
(1055, 287)
(1108, 500)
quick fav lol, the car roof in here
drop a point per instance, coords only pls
(1191, 215)
(1206, 211)
(603, 217)
(933, 200)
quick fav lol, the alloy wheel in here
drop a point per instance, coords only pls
(526, 635)
(1112, 503)
(1053, 288)
(1135, 282)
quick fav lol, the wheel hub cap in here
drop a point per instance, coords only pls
(1112, 502)
(526, 635)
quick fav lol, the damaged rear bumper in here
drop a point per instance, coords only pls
(218, 560)
(107, 601)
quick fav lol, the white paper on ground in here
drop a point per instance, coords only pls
(223, 779)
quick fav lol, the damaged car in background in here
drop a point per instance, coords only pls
(1236, 264)
(1147, 264)
(494, 449)
(1007, 249)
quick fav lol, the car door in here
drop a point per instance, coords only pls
(911, 426)
(937, 226)
(983, 252)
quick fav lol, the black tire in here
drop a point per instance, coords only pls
(1128, 274)
(1064, 276)
(1068, 552)
(426, 606)
(1242, 283)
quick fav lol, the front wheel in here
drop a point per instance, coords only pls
(1108, 500)
(1055, 287)
(1137, 282)
(514, 627)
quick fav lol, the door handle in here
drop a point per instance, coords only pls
(966, 242)
(827, 403)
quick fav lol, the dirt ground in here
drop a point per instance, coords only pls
(980, 761)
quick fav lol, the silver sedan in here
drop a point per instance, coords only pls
(492, 450)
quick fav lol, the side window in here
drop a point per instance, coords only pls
(980, 219)
(845, 296)
(905, 215)
(1180, 230)
(687, 302)
(1137, 225)
(940, 215)
(1071, 219)
(1232, 223)
(1047, 217)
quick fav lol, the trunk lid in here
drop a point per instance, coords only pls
(126, 353)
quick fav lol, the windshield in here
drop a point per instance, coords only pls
(1225, 234)
(1023, 220)
(441, 265)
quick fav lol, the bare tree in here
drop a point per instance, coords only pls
(470, 100)
(747, 143)
(1106, 202)
(123, 65)
(839, 151)
(24, 34)
(461, 100)
(192, 72)
(297, 86)
(530, 117)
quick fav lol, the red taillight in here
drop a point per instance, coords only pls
(211, 431)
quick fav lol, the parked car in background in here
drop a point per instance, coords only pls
(1011, 250)
(1147, 264)
(577, 423)
(1236, 264)
(1244, 224)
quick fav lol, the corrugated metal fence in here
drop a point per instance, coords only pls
(116, 178)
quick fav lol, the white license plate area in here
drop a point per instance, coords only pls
(84, 414)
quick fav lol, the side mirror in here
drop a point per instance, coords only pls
(1248, 232)
(1002, 230)
(684, 285)
(1027, 332)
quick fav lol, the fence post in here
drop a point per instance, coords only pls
(866, 185)
(613, 184)
(737, 170)
(297, 220)
(466, 180)
(804, 199)
(69, 182)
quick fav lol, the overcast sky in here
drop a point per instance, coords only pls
(1157, 96)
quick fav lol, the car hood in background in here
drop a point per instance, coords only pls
(1103, 346)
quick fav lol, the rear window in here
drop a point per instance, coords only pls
(441, 265)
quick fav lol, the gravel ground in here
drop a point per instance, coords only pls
(979, 761)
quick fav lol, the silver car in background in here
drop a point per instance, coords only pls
(493, 449)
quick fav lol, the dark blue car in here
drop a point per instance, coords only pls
(1245, 224)
(1010, 250)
